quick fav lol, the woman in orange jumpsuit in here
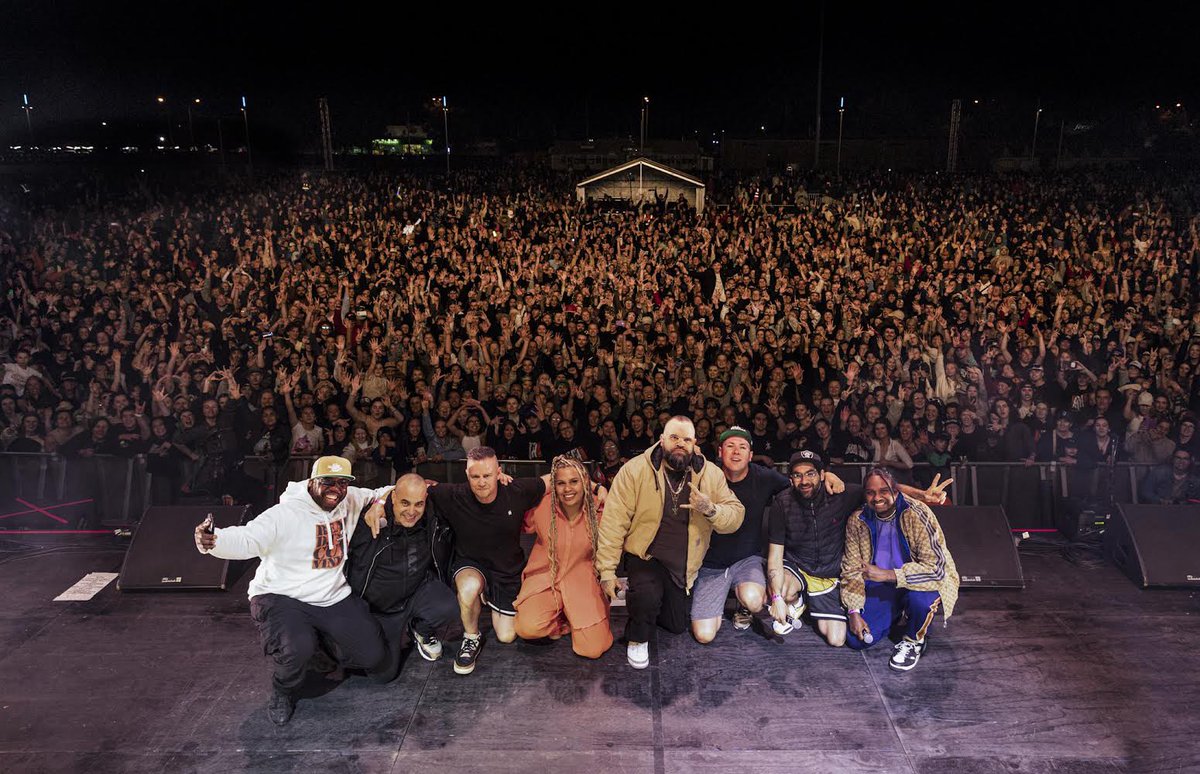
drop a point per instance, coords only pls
(560, 593)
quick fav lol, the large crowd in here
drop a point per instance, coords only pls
(396, 319)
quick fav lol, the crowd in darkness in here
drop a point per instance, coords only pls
(396, 319)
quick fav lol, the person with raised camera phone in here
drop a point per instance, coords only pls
(299, 592)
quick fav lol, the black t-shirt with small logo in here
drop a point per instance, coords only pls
(489, 533)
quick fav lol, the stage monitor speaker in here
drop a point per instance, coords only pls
(163, 555)
(980, 540)
(1155, 545)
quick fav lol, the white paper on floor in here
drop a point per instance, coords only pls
(88, 587)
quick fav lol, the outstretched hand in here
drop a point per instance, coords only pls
(936, 493)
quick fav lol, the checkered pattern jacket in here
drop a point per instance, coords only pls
(928, 566)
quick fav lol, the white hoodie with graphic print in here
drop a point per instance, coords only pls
(302, 547)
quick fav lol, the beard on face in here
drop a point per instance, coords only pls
(678, 459)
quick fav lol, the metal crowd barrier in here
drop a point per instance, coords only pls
(1036, 496)
(48, 491)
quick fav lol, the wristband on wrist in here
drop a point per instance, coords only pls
(854, 612)
(776, 597)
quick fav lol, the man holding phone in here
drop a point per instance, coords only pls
(299, 591)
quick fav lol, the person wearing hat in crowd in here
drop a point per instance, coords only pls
(299, 592)
(806, 532)
(896, 563)
(661, 512)
(735, 560)
(1138, 404)
(1052, 446)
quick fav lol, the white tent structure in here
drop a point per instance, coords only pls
(642, 180)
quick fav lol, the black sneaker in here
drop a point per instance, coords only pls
(464, 664)
(907, 654)
(280, 709)
(742, 619)
(429, 647)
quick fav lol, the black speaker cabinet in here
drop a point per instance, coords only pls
(163, 555)
(980, 540)
(1155, 545)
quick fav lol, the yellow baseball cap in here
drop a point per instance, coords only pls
(331, 467)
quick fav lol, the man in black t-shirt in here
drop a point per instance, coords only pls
(736, 560)
(487, 561)
(486, 568)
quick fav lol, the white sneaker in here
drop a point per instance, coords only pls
(639, 655)
(795, 610)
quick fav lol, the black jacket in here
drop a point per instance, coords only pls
(814, 530)
(387, 570)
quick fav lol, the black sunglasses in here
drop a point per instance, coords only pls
(334, 482)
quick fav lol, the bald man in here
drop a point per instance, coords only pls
(402, 571)
(662, 509)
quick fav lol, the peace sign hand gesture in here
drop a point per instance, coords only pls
(936, 493)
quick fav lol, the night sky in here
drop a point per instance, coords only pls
(532, 76)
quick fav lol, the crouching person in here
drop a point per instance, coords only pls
(896, 565)
(299, 592)
(401, 573)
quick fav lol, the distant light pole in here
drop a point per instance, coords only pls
(446, 130)
(645, 125)
(191, 128)
(841, 116)
(1037, 117)
(246, 121)
(28, 121)
(167, 116)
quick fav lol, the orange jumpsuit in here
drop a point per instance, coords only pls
(573, 601)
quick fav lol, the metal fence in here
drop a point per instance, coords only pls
(46, 491)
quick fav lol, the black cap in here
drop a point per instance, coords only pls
(807, 457)
(1067, 415)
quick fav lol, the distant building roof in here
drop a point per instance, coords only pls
(643, 162)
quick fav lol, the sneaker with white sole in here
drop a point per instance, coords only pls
(742, 618)
(906, 655)
(638, 655)
(468, 652)
(429, 647)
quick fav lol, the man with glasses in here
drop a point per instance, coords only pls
(299, 592)
(1172, 484)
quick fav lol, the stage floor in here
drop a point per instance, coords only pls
(1080, 672)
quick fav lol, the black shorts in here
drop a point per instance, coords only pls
(499, 590)
(822, 596)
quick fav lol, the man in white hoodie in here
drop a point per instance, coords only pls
(300, 589)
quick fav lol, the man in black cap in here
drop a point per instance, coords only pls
(806, 532)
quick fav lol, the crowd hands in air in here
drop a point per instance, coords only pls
(394, 321)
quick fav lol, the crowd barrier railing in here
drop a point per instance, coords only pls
(1034, 496)
(49, 491)
(55, 492)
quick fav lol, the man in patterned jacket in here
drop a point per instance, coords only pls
(896, 563)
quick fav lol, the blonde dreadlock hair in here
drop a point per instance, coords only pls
(589, 507)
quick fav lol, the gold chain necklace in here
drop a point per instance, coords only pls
(676, 491)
